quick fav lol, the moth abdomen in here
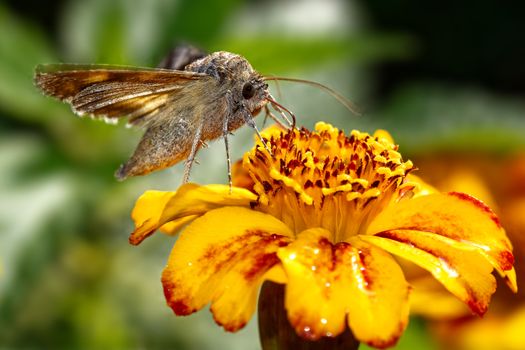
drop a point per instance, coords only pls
(161, 146)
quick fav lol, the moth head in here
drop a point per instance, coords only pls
(254, 93)
(234, 73)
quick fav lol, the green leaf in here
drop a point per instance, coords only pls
(22, 47)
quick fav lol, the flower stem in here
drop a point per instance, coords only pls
(276, 333)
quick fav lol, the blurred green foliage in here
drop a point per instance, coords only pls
(68, 278)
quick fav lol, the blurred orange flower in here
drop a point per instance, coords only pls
(322, 215)
(501, 183)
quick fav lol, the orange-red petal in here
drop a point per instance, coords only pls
(457, 216)
(223, 257)
(154, 209)
(328, 283)
(458, 266)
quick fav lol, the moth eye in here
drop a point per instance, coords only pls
(248, 91)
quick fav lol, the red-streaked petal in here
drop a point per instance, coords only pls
(223, 257)
(147, 212)
(328, 283)
(154, 209)
(379, 313)
(432, 300)
(455, 215)
(458, 266)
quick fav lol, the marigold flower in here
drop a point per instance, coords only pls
(323, 215)
(502, 326)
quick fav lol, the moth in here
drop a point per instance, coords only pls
(191, 98)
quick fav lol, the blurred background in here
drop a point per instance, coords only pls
(447, 79)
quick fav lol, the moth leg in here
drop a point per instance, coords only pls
(191, 157)
(280, 109)
(225, 136)
(251, 123)
(268, 113)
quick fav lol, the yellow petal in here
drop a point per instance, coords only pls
(155, 208)
(172, 227)
(147, 212)
(457, 216)
(223, 257)
(422, 188)
(430, 299)
(379, 312)
(328, 283)
(467, 180)
(383, 134)
(458, 266)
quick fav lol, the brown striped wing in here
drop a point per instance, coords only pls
(110, 92)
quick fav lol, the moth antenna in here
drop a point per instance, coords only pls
(343, 100)
(280, 108)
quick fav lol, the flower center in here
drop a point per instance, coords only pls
(324, 178)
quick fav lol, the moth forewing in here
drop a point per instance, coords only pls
(108, 92)
(66, 80)
(180, 109)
